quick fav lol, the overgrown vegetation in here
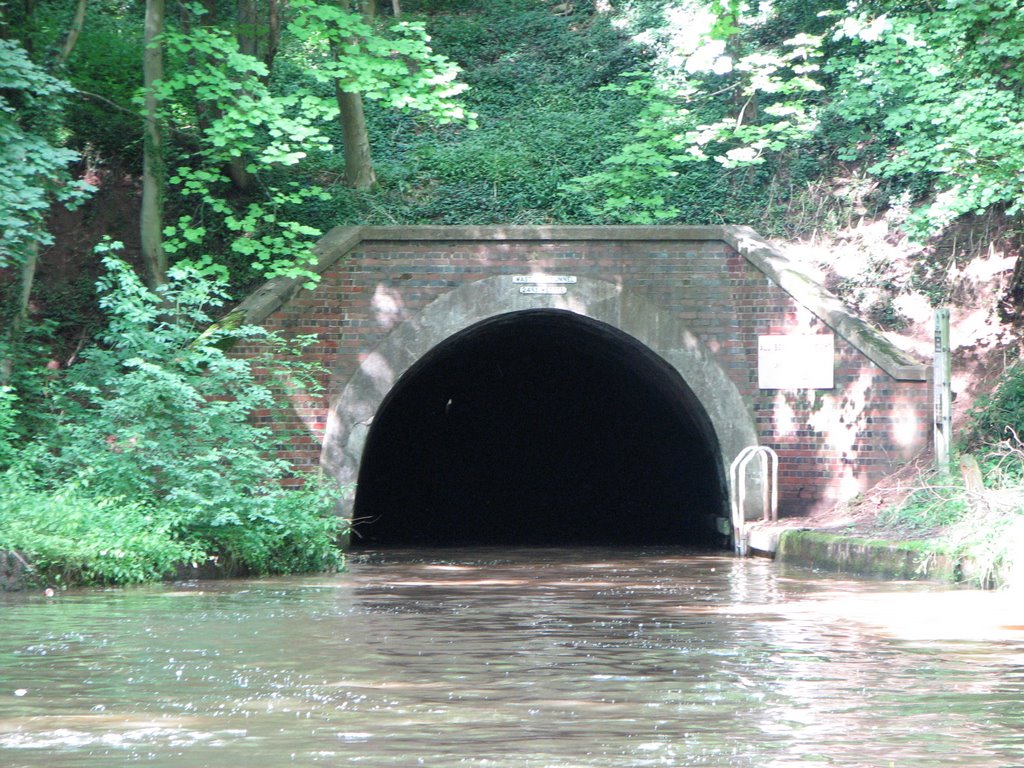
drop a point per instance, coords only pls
(262, 124)
(148, 456)
(976, 513)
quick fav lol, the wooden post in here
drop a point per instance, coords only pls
(943, 393)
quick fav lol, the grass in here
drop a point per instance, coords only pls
(980, 526)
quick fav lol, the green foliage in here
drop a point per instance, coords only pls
(990, 533)
(535, 82)
(8, 420)
(517, 55)
(72, 536)
(239, 120)
(633, 184)
(779, 83)
(998, 412)
(936, 93)
(939, 502)
(105, 72)
(209, 77)
(510, 170)
(33, 164)
(281, 135)
(703, 111)
(729, 112)
(154, 426)
(30, 386)
(683, 122)
(398, 69)
(926, 97)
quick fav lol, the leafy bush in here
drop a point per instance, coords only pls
(990, 533)
(152, 434)
(1003, 408)
(938, 88)
(71, 536)
(8, 419)
(34, 166)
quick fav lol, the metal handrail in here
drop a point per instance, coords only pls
(769, 463)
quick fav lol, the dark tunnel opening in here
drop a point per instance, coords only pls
(540, 427)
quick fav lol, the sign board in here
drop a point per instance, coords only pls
(539, 279)
(796, 362)
(546, 290)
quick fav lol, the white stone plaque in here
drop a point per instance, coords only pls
(545, 290)
(540, 279)
(799, 361)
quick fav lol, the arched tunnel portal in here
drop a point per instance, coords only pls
(540, 427)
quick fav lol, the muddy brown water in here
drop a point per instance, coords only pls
(525, 658)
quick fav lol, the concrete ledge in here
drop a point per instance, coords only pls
(871, 558)
(544, 233)
(762, 540)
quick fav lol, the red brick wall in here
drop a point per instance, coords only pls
(830, 443)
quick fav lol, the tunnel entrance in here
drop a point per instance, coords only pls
(540, 427)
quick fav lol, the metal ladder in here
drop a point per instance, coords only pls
(769, 464)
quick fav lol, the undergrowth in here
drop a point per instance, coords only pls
(148, 456)
(976, 514)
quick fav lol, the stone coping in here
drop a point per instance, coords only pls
(339, 241)
(864, 557)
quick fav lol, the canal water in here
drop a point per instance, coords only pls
(521, 659)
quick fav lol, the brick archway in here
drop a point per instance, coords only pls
(352, 414)
(707, 300)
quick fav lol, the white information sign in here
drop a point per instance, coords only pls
(540, 279)
(796, 362)
(544, 290)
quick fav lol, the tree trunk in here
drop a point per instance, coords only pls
(248, 27)
(255, 38)
(186, 16)
(151, 228)
(9, 31)
(396, 8)
(20, 314)
(273, 37)
(359, 172)
(74, 31)
(248, 37)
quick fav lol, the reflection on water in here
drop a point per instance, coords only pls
(489, 658)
